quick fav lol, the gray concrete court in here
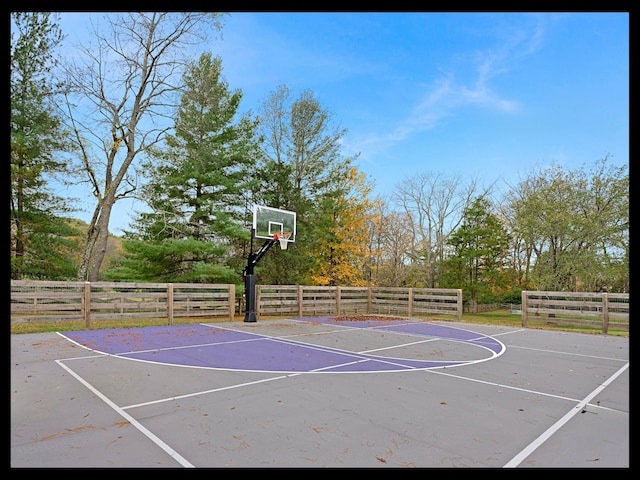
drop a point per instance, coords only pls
(496, 397)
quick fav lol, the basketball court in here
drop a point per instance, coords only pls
(332, 392)
(336, 392)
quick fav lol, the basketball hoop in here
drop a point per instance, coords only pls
(283, 238)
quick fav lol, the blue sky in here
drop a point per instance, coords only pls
(486, 95)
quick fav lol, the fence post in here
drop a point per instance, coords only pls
(459, 299)
(256, 307)
(86, 306)
(524, 297)
(369, 296)
(410, 303)
(170, 303)
(605, 313)
(232, 301)
(300, 298)
(338, 293)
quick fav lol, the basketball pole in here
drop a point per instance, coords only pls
(250, 278)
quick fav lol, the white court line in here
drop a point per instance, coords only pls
(391, 347)
(515, 461)
(288, 339)
(573, 354)
(213, 390)
(359, 358)
(175, 455)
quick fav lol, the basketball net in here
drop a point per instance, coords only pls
(283, 238)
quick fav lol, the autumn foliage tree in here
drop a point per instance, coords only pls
(341, 254)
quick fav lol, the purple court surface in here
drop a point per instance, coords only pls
(229, 348)
(317, 392)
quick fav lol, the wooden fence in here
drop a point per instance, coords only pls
(603, 310)
(33, 301)
(273, 300)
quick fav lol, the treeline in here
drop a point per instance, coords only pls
(179, 144)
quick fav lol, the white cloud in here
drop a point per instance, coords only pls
(447, 96)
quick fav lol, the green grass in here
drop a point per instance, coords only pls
(498, 317)
(71, 325)
(506, 318)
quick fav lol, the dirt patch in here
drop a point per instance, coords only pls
(364, 318)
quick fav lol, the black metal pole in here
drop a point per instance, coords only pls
(250, 292)
(250, 285)
(250, 278)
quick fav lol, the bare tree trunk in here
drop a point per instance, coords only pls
(87, 255)
(18, 230)
(140, 86)
(473, 306)
(102, 236)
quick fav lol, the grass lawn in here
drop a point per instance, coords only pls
(497, 317)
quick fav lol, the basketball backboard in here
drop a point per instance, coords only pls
(267, 221)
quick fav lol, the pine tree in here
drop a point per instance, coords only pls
(480, 248)
(197, 189)
(41, 238)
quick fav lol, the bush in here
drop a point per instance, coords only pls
(513, 296)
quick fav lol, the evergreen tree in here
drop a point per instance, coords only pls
(305, 173)
(129, 71)
(480, 246)
(197, 189)
(42, 241)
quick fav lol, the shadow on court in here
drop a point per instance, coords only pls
(315, 392)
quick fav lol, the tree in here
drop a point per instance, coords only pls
(197, 187)
(434, 205)
(126, 89)
(342, 254)
(390, 246)
(300, 167)
(41, 241)
(374, 227)
(480, 247)
(575, 226)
